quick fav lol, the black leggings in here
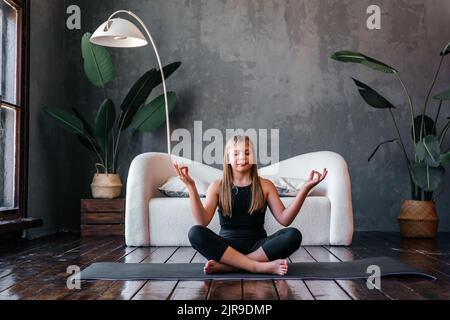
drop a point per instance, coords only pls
(280, 245)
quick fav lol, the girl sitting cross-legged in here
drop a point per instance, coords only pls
(242, 197)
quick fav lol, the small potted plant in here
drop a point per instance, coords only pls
(418, 217)
(103, 138)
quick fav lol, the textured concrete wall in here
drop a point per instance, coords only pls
(265, 64)
(48, 150)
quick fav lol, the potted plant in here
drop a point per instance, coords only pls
(418, 216)
(103, 137)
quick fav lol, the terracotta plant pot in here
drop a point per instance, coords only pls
(106, 186)
(418, 219)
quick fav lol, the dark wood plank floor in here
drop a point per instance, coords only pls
(37, 270)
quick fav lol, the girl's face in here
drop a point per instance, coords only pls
(241, 157)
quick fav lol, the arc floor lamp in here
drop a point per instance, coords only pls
(122, 33)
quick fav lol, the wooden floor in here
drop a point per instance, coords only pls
(37, 270)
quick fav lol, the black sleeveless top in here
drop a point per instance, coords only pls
(242, 224)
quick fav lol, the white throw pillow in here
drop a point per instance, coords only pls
(175, 188)
(287, 187)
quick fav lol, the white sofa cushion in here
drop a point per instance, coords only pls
(175, 188)
(171, 218)
(288, 187)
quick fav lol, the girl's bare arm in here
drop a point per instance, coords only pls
(284, 215)
(203, 214)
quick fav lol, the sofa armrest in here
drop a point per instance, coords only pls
(336, 187)
(147, 172)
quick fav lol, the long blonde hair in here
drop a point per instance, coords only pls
(225, 203)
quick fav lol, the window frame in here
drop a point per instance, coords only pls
(22, 108)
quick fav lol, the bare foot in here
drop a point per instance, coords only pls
(279, 266)
(213, 266)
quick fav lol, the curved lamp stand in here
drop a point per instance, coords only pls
(121, 33)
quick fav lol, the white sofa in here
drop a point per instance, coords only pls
(152, 219)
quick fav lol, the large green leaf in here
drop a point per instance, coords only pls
(348, 56)
(169, 70)
(432, 149)
(372, 97)
(65, 119)
(105, 119)
(137, 96)
(86, 124)
(357, 57)
(427, 178)
(104, 122)
(153, 115)
(91, 145)
(145, 84)
(428, 124)
(444, 131)
(141, 90)
(98, 65)
(445, 158)
(87, 144)
(421, 152)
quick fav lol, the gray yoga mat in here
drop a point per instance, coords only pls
(357, 269)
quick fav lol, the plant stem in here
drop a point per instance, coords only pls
(428, 97)
(437, 116)
(106, 154)
(444, 133)
(410, 104)
(116, 147)
(113, 156)
(117, 142)
(416, 192)
(428, 196)
(400, 139)
(95, 149)
(106, 136)
(408, 163)
(411, 107)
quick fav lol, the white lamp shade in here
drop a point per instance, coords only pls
(120, 34)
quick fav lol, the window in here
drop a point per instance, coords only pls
(12, 108)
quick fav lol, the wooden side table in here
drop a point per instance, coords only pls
(102, 217)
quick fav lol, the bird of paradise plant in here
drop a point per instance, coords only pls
(104, 137)
(426, 164)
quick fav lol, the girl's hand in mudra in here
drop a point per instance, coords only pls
(315, 178)
(183, 174)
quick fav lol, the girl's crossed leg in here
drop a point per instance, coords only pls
(268, 255)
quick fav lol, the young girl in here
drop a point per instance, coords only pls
(242, 197)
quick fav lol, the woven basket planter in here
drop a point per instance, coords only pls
(418, 219)
(106, 186)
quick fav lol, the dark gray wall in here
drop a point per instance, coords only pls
(265, 64)
(49, 147)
